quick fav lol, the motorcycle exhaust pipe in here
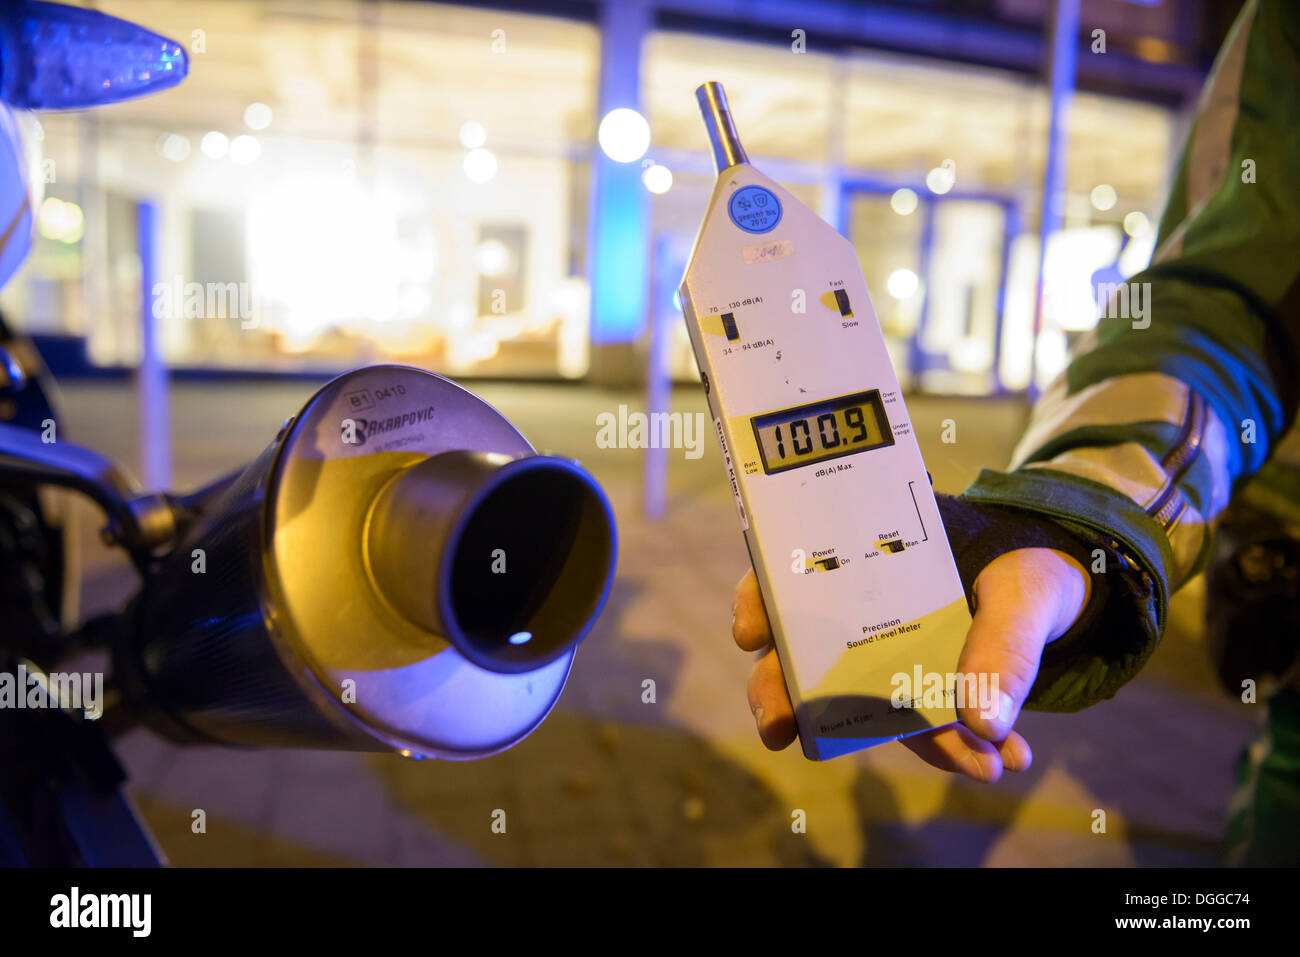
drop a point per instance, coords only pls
(399, 570)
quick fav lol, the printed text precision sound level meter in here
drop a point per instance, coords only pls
(835, 501)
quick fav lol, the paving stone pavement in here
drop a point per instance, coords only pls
(611, 780)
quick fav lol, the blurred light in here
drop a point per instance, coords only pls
(1104, 197)
(1074, 314)
(76, 224)
(491, 257)
(1076, 261)
(971, 355)
(245, 149)
(677, 301)
(466, 351)
(903, 201)
(50, 220)
(1153, 49)
(214, 144)
(472, 134)
(322, 253)
(902, 283)
(940, 179)
(257, 116)
(415, 301)
(624, 135)
(521, 637)
(1136, 224)
(59, 57)
(61, 221)
(459, 317)
(1050, 355)
(1016, 344)
(1137, 254)
(480, 165)
(174, 147)
(658, 179)
(622, 248)
(572, 300)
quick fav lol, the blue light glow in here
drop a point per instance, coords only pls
(621, 262)
(57, 57)
(521, 637)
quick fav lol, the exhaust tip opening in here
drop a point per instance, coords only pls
(530, 566)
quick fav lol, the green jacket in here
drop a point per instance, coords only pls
(1154, 425)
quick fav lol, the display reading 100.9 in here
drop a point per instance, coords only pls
(822, 430)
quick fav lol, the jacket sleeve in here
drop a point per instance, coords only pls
(1140, 442)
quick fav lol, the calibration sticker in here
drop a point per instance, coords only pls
(755, 209)
(768, 251)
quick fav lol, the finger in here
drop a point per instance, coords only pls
(770, 703)
(957, 749)
(1016, 753)
(749, 624)
(1017, 609)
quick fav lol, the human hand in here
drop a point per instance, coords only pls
(1023, 599)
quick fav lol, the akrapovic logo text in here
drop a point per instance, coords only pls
(357, 431)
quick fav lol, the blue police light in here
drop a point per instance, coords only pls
(57, 57)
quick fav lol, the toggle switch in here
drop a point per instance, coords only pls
(729, 326)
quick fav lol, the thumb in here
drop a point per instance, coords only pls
(1023, 599)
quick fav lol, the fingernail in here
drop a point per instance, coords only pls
(1007, 712)
(758, 717)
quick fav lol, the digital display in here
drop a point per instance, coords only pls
(823, 430)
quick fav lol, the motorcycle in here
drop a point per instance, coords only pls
(399, 571)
